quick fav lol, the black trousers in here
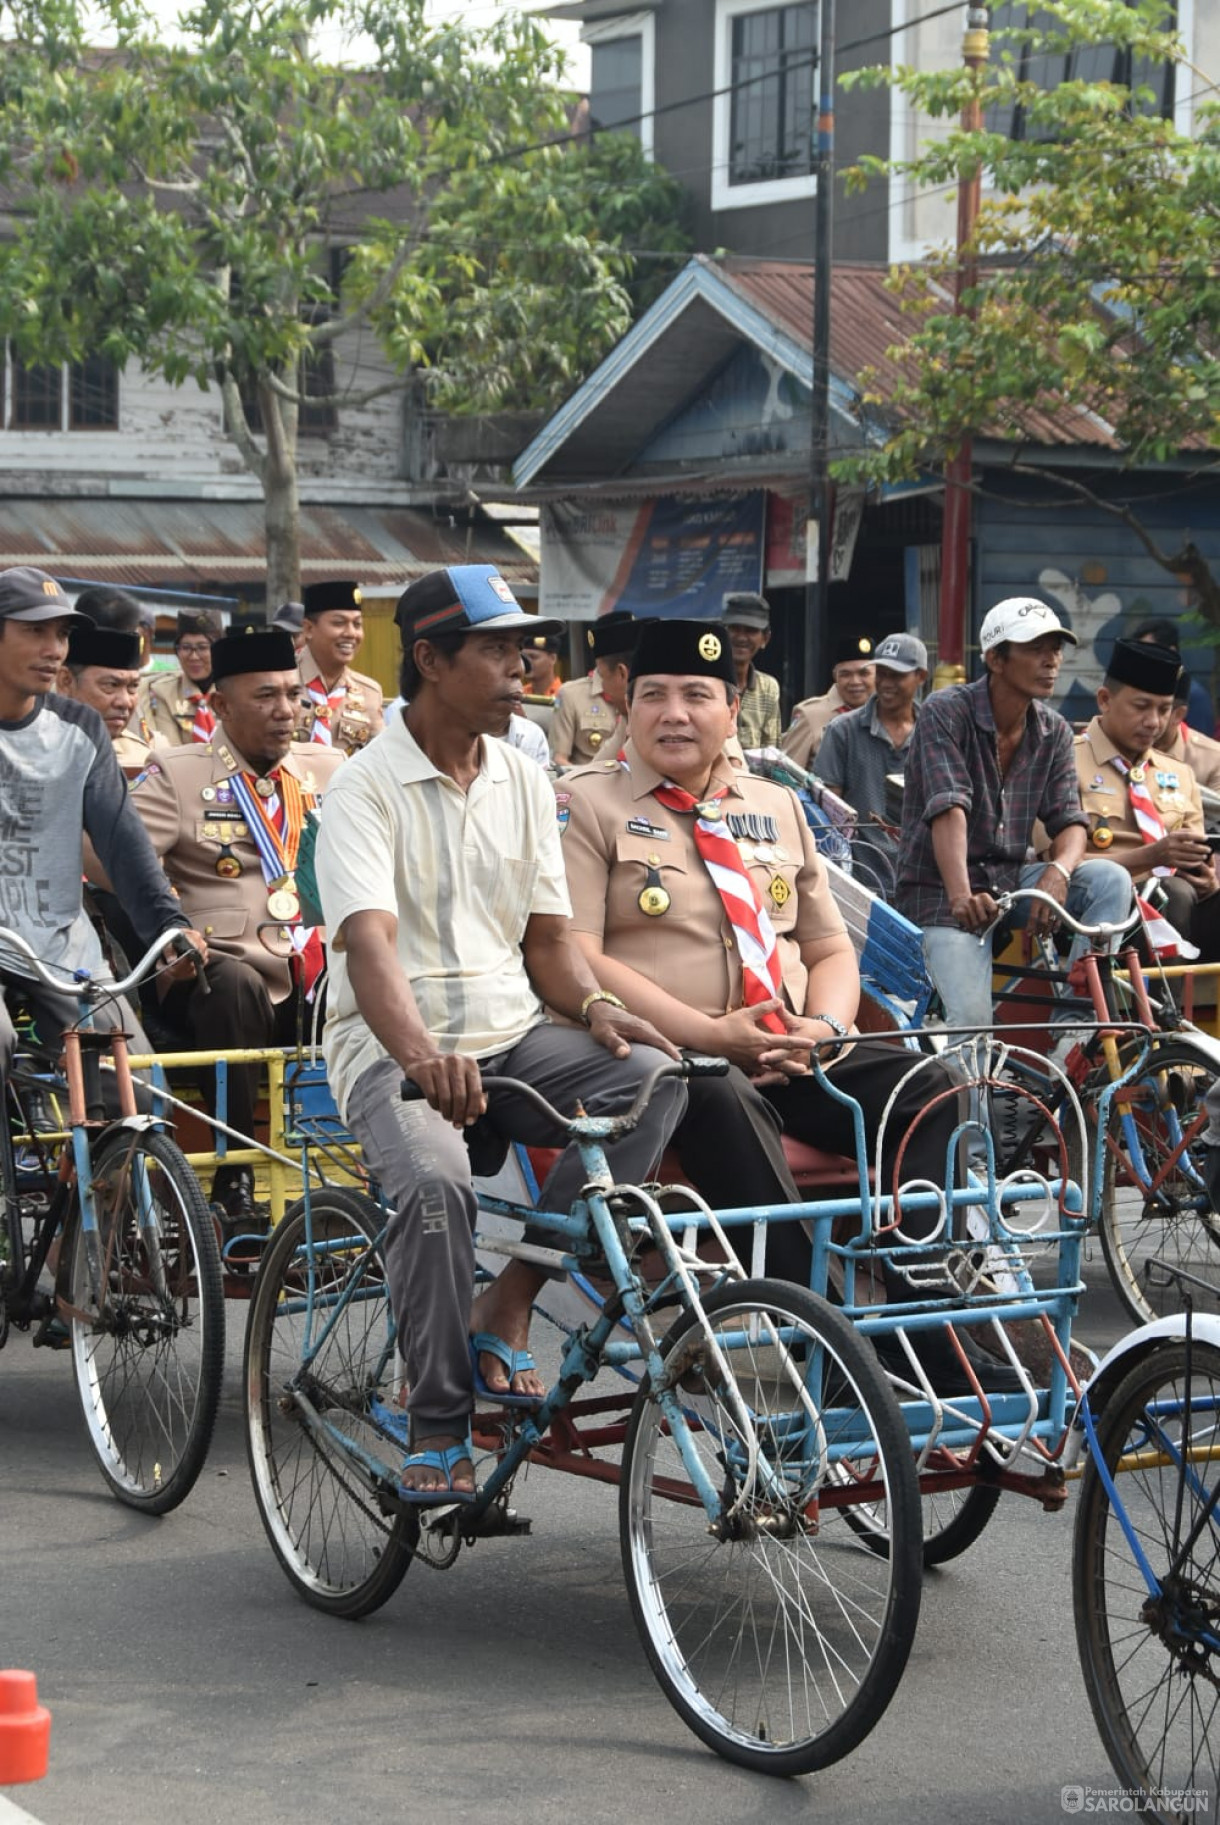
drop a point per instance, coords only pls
(238, 1012)
(731, 1147)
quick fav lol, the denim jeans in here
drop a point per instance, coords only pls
(960, 967)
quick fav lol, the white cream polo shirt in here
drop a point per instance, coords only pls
(461, 871)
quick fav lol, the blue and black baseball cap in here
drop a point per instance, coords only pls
(465, 599)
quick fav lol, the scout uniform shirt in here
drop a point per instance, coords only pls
(187, 805)
(1170, 785)
(1199, 752)
(582, 722)
(355, 712)
(809, 719)
(641, 888)
(165, 706)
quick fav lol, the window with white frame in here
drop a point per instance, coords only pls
(621, 81)
(1091, 63)
(766, 72)
(54, 396)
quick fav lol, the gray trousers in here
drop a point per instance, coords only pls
(424, 1170)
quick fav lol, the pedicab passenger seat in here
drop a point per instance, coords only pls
(889, 949)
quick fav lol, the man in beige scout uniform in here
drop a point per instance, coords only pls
(699, 898)
(226, 820)
(103, 669)
(1199, 752)
(589, 712)
(339, 707)
(851, 686)
(1143, 808)
(178, 704)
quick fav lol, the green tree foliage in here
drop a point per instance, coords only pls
(1098, 258)
(173, 203)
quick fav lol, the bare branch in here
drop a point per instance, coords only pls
(334, 327)
(1188, 562)
(239, 426)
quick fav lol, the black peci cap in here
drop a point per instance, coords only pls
(89, 644)
(613, 636)
(317, 598)
(263, 649)
(686, 649)
(853, 649)
(1155, 669)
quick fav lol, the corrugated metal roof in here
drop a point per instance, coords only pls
(176, 542)
(866, 321)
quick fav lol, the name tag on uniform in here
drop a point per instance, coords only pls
(754, 826)
(640, 826)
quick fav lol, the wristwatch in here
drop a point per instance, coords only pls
(599, 995)
(833, 1024)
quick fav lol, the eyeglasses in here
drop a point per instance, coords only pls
(195, 649)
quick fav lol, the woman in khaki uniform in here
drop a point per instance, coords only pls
(648, 913)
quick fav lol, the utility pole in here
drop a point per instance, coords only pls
(818, 528)
(959, 471)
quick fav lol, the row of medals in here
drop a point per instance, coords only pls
(283, 902)
(653, 899)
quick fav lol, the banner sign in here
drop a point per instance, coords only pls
(671, 556)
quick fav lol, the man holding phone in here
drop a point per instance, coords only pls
(1143, 807)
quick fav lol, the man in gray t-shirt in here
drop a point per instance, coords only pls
(59, 779)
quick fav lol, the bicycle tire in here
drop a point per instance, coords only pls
(149, 1366)
(1157, 1709)
(752, 1639)
(952, 1520)
(342, 1553)
(1176, 1222)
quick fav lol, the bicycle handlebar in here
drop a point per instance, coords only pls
(83, 983)
(693, 1064)
(1006, 902)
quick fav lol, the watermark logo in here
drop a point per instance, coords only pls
(1181, 1802)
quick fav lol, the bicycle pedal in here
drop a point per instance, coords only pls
(52, 1334)
(498, 1524)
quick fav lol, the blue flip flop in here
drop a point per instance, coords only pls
(515, 1361)
(447, 1461)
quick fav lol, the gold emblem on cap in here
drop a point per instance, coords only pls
(357, 596)
(50, 587)
(709, 648)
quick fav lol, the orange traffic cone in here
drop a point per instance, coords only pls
(25, 1729)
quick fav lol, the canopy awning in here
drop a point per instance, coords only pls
(221, 544)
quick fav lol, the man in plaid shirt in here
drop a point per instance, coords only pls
(985, 762)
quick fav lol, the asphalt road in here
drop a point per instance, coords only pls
(188, 1684)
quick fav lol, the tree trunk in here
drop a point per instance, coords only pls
(282, 519)
(281, 505)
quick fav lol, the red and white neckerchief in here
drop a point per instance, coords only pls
(327, 704)
(1147, 817)
(752, 928)
(204, 725)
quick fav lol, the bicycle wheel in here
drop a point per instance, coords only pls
(1152, 1679)
(775, 1633)
(1153, 1201)
(149, 1364)
(951, 1521)
(324, 1283)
